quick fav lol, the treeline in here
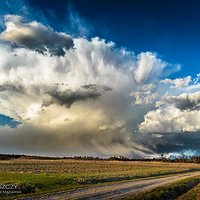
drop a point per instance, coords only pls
(192, 159)
(183, 159)
(23, 156)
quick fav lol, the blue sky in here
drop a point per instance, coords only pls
(7, 121)
(169, 28)
(113, 77)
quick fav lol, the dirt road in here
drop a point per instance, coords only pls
(113, 191)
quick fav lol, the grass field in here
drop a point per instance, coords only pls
(42, 176)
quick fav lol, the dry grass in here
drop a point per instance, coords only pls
(87, 166)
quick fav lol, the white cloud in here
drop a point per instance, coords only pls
(170, 120)
(196, 80)
(183, 101)
(170, 113)
(144, 98)
(149, 68)
(178, 82)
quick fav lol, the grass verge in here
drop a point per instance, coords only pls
(168, 192)
(193, 194)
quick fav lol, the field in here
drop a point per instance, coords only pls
(42, 176)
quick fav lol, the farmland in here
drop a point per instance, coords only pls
(43, 176)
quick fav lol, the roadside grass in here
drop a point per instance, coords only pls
(193, 194)
(169, 192)
(37, 183)
(39, 177)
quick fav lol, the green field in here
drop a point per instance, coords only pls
(42, 176)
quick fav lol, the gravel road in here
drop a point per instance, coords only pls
(119, 190)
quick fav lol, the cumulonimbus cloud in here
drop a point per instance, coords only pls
(80, 101)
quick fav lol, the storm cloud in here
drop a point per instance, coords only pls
(12, 87)
(35, 36)
(95, 99)
(64, 95)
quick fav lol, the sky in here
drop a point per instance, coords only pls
(99, 78)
